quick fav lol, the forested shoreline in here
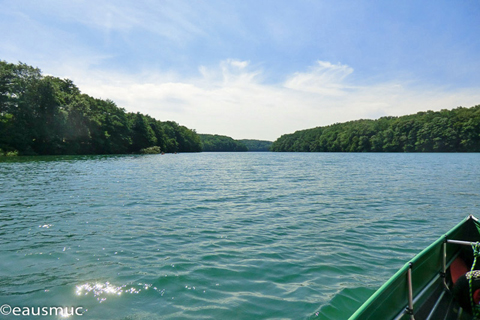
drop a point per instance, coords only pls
(45, 115)
(456, 130)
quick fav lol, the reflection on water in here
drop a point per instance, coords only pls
(101, 291)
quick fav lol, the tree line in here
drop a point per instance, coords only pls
(42, 115)
(218, 143)
(257, 145)
(456, 130)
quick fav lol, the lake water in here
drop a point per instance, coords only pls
(221, 235)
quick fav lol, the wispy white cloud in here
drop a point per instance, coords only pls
(232, 98)
(237, 63)
(323, 78)
(174, 20)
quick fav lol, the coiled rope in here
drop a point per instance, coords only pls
(476, 254)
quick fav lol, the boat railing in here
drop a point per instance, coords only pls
(413, 300)
(461, 242)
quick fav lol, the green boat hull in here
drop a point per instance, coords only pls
(427, 275)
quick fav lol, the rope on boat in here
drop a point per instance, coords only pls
(476, 254)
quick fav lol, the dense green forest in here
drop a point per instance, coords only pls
(456, 130)
(217, 143)
(256, 145)
(42, 115)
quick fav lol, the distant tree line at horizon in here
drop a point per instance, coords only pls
(219, 143)
(456, 130)
(257, 145)
(45, 115)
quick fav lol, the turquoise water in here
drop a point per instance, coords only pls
(221, 235)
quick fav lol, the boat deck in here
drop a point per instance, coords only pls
(441, 306)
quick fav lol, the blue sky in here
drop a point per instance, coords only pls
(254, 69)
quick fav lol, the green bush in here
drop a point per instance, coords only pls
(151, 150)
(12, 153)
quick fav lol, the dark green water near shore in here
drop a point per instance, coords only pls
(221, 235)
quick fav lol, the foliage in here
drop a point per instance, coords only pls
(47, 115)
(257, 145)
(8, 153)
(221, 143)
(11, 153)
(151, 150)
(456, 130)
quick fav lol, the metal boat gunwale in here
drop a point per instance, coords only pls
(392, 286)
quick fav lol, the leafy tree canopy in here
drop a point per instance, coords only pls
(257, 145)
(219, 143)
(47, 115)
(456, 130)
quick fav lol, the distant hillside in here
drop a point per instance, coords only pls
(218, 143)
(456, 130)
(257, 145)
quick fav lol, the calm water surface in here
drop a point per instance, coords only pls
(221, 235)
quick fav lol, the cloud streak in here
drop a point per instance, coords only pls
(324, 78)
